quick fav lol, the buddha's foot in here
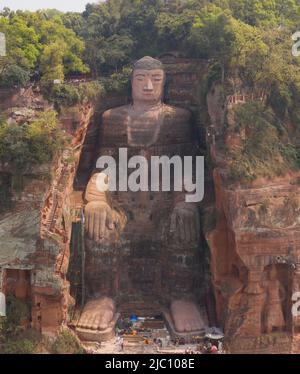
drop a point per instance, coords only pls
(97, 314)
(186, 316)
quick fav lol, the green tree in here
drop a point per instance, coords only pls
(51, 62)
(173, 29)
(22, 146)
(212, 36)
(23, 48)
(61, 52)
(271, 13)
(14, 75)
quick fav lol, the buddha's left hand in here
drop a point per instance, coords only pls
(185, 222)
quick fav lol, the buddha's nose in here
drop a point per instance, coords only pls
(148, 85)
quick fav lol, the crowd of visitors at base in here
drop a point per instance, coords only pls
(207, 348)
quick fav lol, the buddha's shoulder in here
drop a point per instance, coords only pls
(116, 114)
(121, 113)
(177, 112)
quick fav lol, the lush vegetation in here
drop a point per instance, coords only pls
(266, 149)
(27, 144)
(17, 338)
(66, 95)
(240, 35)
(248, 40)
(13, 338)
(247, 43)
(40, 45)
(66, 343)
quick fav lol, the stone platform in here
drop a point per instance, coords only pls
(149, 324)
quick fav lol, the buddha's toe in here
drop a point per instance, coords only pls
(106, 318)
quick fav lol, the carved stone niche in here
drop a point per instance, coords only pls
(277, 291)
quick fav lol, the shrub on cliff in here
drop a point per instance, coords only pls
(14, 76)
(19, 346)
(266, 150)
(22, 146)
(62, 95)
(13, 338)
(5, 192)
(17, 310)
(118, 82)
(18, 341)
(90, 91)
(66, 95)
(66, 343)
(45, 136)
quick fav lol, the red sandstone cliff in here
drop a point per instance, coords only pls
(257, 229)
(35, 235)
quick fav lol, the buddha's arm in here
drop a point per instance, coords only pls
(185, 222)
(101, 213)
(185, 219)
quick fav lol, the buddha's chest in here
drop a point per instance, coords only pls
(151, 128)
(143, 130)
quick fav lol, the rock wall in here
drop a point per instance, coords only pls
(51, 288)
(35, 233)
(252, 231)
(254, 245)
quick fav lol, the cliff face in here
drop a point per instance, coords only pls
(58, 213)
(35, 233)
(253, 246)
(253, 229)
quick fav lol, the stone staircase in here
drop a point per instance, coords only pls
(132, 340)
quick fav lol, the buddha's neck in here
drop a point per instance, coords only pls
(142, 106)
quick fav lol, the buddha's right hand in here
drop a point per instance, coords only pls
(99, 218)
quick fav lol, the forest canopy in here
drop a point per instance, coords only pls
(246, 43)
(240, 35)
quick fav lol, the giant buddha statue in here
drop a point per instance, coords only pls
(143, 245)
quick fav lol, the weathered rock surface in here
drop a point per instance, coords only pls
(35, 234)
(254, 246)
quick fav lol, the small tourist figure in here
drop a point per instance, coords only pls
(220, 346)
(120, 343)
(213, 349)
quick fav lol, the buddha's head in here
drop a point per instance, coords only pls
(148, 79)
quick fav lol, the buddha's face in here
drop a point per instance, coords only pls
(148, 85)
